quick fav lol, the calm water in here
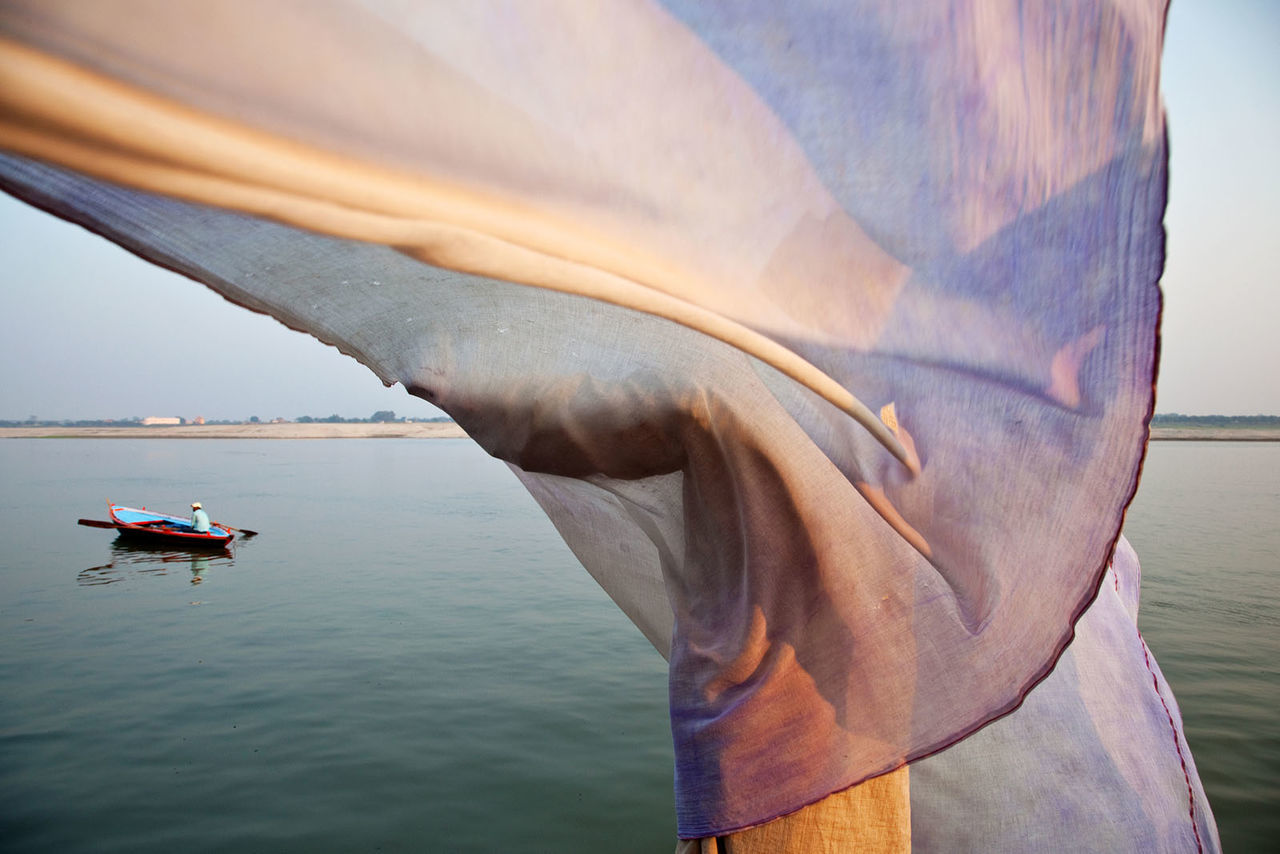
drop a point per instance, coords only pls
(1206, 525)
(408, 658)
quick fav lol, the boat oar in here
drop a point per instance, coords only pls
(95, 523)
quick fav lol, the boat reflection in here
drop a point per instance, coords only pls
(129, 558)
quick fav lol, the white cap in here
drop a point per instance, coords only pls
(195, 505)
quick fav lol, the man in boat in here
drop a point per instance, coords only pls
(199, 518)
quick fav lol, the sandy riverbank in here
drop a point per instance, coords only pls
(1215, 434)
(417, 430)
(447, 430)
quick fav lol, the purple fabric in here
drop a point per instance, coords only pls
(1094, 759)
(828, 614)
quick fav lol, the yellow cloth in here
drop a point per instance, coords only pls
(874, 816)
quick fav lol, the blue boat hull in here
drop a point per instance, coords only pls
(143, 526)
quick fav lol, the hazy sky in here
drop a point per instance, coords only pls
(90, 331)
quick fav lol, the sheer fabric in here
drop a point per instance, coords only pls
(837, 364)
(1094, 760)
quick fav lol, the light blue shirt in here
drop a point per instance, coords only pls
(200, 521)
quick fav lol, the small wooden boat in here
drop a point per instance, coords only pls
(142, 525)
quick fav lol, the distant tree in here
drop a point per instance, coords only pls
(253, 419)
(304, 419)
(383, 415)
(333, 419)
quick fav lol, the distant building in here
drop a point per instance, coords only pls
(199, 419)
(155, 421)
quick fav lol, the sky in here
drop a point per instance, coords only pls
(89, 331)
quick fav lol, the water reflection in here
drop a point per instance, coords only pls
(128, 558)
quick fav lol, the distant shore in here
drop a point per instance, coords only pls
(315, 430)
(1215, 434)
(449, 430)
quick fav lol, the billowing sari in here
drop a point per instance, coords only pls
(825, 334)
